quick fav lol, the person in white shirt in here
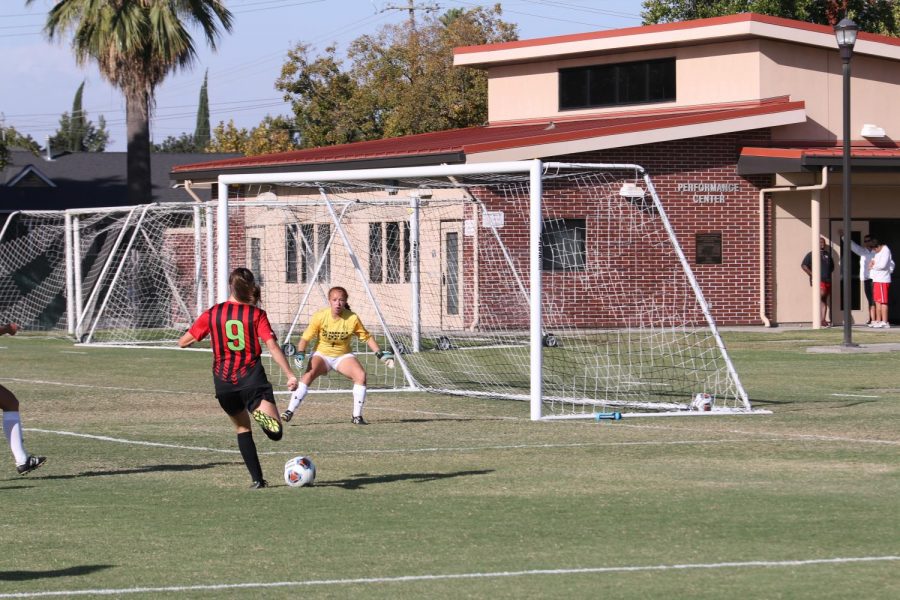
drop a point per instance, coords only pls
(881, 266)
(866, 253)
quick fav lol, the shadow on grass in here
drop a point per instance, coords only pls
(146, 469)
(836, 402)
(364, 479)
(69, 572)
(388, 421)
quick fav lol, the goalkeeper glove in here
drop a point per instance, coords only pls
(298, 359)
(385, 357)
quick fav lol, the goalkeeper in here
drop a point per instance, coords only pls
(334, 327)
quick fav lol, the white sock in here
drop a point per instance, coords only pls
(359, 398)
(298, 396)
(12, 428)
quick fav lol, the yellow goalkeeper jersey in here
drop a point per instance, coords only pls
(334, 334)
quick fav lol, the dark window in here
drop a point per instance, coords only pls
(389, 252)
(290, 253)
(314, 248)
(375, 253)
(307, 253)
(623, 83)
(256, 259)
(392, 252)
(452, 275)
(563, 245)
(323, 252)
(405, 252)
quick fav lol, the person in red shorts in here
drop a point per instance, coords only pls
(881, 267)
(827, 264)
(242, 388)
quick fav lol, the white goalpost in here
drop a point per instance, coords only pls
(559, 284)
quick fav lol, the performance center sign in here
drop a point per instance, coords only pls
(708, 193)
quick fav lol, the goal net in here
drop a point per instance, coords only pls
(121, 276)
(558, 284)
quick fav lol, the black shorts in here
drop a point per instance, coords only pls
(246, 394)
(867, 286)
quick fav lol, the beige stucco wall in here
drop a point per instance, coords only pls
(704, 76)
(726, 72)
(815, 76)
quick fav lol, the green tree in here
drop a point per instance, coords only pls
(78, 122)
(136, 44)
(11, 139)
(322, 97)
(181, 143)
(875, 16)
(77, 133)
(201, 131)
(272, 135)
(400, 81)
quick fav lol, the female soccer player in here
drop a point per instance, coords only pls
(12, 423)
(334, 327)
(242, 388)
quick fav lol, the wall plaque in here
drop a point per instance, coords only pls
(709, 248)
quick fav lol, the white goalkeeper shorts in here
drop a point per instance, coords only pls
(332, 361)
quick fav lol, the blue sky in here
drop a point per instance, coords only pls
(38, 79)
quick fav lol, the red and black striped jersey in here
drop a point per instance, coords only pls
(235, 330)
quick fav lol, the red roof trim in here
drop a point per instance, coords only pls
(652, 112)
(676, 26)
(858, 150)
(505, 136)
(772, 152)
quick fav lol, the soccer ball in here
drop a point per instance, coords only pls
(702, 402)
(299, 471)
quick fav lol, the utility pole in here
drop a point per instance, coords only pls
(411, 7)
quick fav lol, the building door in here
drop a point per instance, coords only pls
(451, 275)
(859, 306)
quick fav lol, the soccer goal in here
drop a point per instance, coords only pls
(119, 276)
(559, 284)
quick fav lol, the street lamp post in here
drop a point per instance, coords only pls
(845, 32)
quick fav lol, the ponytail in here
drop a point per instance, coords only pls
(243, 286)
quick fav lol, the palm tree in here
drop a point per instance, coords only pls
(136, 44)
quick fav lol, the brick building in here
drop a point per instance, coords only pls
(738, 120)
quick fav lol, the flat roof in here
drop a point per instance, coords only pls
(799, 156)
(683, 33)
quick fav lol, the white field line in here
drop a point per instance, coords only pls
(765, 564)
(93, 387)
(854, 396)
(104, 438)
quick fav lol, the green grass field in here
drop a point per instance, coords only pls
(145, 495)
